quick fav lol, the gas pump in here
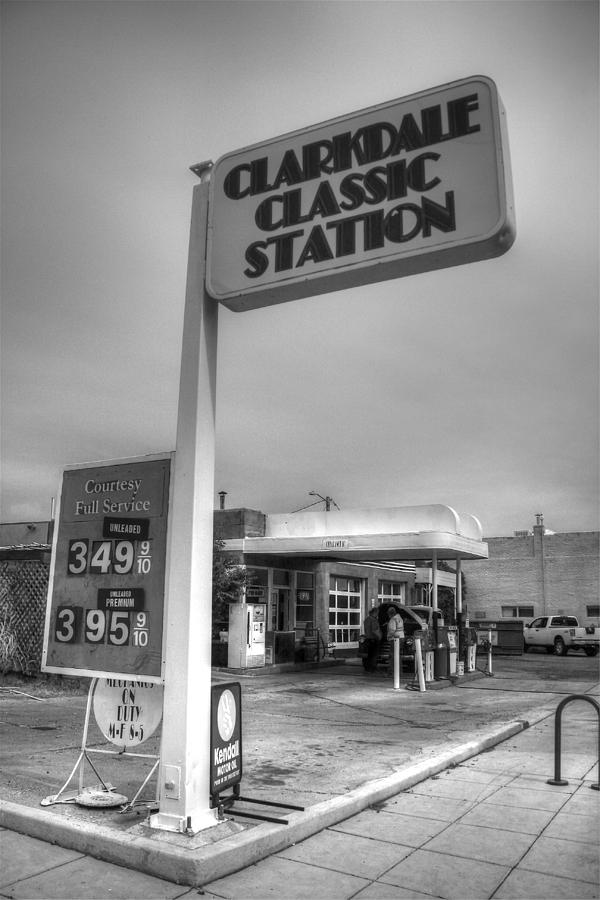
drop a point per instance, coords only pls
(446, 651)
(428, 650)
(247, 631)
(452, 648)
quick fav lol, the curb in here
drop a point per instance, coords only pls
(175, 857)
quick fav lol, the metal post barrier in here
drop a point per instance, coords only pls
(419, 665)
(471, 657)
(489, 662)
(557, 737)
(396, 644)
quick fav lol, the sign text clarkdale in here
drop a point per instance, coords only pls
(391, 182)
(389, 191)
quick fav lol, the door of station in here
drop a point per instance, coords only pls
(282, 618)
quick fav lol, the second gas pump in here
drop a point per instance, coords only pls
(247, 632)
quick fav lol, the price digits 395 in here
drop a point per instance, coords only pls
(98, 626)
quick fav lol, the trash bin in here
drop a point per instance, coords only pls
(440, 660)
(281, 646)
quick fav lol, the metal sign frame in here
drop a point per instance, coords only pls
(105, 790)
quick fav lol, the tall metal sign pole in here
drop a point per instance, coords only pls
(305, 214)
(185, 751)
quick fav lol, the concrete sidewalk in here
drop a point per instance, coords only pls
(444, 819)
(490, 827)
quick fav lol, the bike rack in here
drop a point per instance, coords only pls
(557, 737)
(313, 641)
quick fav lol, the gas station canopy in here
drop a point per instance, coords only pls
(409, 532)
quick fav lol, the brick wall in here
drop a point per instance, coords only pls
(552, 572)
(238, 523)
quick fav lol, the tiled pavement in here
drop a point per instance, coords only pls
(468, 833)
(489, 828)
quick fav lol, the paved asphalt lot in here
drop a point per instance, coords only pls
(316, 735)
(307, 736)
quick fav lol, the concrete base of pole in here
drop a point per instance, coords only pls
(199, 821)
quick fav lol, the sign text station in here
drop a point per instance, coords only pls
(416, 184)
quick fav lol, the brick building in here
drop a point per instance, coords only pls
(536, 572)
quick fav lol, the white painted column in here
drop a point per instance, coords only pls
(434, 580)
(184, 772)
(458, 591)
(396, 646)
(458, 612)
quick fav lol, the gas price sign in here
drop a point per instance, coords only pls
(105, 601)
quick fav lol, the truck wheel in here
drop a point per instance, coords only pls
(560, 648)
(525, 647)
(591, 651)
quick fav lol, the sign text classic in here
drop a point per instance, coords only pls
(404, 187)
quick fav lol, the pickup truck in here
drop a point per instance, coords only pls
(559, 634)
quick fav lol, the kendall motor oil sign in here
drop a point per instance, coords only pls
(416, 184)
(225, 737)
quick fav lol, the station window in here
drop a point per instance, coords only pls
(592, 612)
(281, 577)
(390, 592)
(517, 612)
(256, 588)
(305, 598)
(345, 603)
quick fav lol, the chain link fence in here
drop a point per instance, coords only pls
(23, 590)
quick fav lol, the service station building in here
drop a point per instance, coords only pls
(313, 576)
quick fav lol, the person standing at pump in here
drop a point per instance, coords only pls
(372, 633)
(395, 632)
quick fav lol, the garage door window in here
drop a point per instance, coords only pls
(345, 603)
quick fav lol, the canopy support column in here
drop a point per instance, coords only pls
(434, 580)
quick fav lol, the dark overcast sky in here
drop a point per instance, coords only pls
(475, 386)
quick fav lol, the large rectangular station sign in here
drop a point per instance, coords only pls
(408, 186)
(104, 614)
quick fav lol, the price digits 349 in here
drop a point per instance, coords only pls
(109, 557)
